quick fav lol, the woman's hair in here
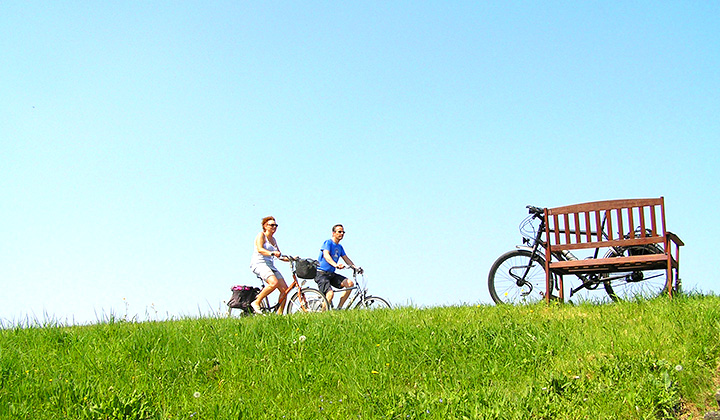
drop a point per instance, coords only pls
(265, 220)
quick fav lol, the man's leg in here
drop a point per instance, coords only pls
(345, 294)
(323, 281)
(329, 295)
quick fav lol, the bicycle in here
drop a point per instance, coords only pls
(304, 299)
(518, 276)
(360, 298)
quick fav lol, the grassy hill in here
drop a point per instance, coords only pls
(640, 360)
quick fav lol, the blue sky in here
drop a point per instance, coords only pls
(142, 142)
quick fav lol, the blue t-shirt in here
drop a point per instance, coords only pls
(336, 251)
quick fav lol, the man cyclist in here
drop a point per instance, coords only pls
(326, 277)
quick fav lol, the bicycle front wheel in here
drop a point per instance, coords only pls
(630, 285)
(307, 300)
(373, 302)
(517, 277)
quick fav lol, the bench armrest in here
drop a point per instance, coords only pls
(673, 237)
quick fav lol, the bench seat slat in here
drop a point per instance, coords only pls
(609, 265)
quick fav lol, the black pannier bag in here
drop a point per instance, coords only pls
(306, 268)
(242, 297)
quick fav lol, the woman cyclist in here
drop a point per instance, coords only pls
(262, 264)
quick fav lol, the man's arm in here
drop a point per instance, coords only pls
(348, 261)
(328, 258)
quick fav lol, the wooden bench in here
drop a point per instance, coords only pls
(620, 223)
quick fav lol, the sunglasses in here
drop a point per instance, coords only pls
(273, 224)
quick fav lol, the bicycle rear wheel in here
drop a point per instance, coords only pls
(307, 300)
(629, 285)
(373, 302)
(517, 277)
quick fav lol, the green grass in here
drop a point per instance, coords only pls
(638, 360)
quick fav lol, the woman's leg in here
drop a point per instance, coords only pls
(272, 284)
(283, 289)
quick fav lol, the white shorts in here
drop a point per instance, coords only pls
(263, 271)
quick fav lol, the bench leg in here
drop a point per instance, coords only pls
(674, 276)
(678, 285)
(548, 287)
(561, 297)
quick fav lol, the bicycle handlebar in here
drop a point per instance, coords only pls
(358, 270)
(535, 211)
(296, 259)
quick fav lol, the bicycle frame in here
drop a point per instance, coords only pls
(274, 307)
(295, 284)
(360, 292)
(360, 298)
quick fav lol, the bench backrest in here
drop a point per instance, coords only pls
(603, 224)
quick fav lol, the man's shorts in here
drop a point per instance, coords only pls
(325, 279)
(263, 272)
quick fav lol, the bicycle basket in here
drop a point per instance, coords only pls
(242, 297)
(528, 229)
(306, 268)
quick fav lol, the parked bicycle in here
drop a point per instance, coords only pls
(518, 276)
(359, 298)
(302, 299)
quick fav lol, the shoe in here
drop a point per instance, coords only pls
(256, 308)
